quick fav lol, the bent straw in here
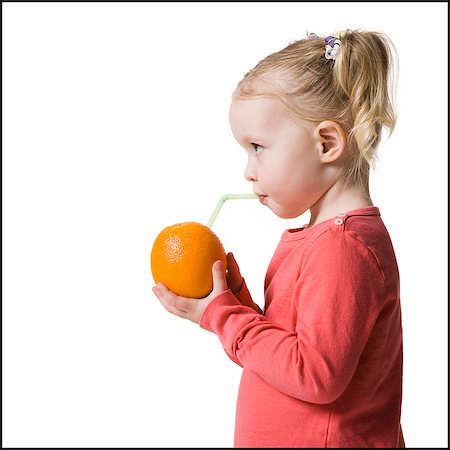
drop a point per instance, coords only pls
(222, 200)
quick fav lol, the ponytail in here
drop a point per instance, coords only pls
(364, 71)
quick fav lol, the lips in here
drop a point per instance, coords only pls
(263, 199)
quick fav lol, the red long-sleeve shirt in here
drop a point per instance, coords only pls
(323, 362)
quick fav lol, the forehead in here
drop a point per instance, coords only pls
(256, 115)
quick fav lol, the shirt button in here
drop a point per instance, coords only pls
(339, 221)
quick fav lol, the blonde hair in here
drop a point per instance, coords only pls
(356, 90)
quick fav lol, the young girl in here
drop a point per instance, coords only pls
(322, 364)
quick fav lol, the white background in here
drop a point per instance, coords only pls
(115, 125)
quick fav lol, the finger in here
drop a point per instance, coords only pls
(234, 273)
(175, 304)
(219, 277)
(234, 276)
(171, 299)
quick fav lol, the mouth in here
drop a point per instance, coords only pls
(262, 198)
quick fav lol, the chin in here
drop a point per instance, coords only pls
(284, 214)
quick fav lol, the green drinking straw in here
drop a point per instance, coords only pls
(222, 200)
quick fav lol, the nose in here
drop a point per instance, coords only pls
(250, 172)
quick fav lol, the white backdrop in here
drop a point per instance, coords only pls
(115, 125)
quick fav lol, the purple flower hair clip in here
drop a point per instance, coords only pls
(332, 47)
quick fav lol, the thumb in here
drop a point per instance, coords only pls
(219, 277)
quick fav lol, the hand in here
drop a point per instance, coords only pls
(192, 308)
(234, 277)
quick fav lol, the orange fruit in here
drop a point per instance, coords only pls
(182, 257)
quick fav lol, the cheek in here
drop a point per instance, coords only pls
(296, 184)
(289, 174)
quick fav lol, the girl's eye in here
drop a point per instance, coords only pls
(258, 149)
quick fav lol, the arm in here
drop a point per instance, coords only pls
(193, 309)
(340, 292)
(238, 286)
(244, 298)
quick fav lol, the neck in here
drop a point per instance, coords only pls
(338, 200)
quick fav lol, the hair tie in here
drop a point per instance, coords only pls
(332, 47)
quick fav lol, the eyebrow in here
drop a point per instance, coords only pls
(252, 138)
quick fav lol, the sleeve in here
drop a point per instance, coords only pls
(339, 295)
(245, 299)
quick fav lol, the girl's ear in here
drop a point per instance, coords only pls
(331, 140)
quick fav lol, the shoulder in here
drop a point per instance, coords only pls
(352, 242)
(345, 245)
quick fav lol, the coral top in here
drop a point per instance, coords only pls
(322, 365)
